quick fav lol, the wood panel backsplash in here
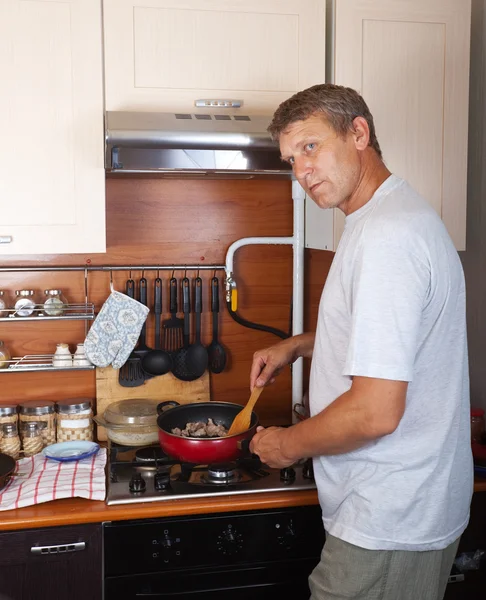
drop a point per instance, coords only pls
(161, 221)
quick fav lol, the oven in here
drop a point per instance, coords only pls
(262, 554)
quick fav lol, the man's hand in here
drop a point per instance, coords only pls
(268, 363)
(269, 445)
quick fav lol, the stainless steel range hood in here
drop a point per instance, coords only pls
(209, 145)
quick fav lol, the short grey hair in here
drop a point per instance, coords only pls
(340, 106)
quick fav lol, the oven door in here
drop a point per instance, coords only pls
(265, 582)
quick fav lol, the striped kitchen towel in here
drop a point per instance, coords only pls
(40, 479)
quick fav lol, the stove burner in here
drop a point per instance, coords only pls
(150, 454)
(221, 474)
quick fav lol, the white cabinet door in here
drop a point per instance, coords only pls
(52, 183)
(410, 61)
(162, 55)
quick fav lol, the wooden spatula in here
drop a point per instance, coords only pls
(242, 420)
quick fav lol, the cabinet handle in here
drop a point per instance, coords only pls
(60, 549)
(6, 239)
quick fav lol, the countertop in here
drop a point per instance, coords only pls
(72, 511)
(77, 510)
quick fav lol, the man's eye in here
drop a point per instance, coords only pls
(291, 161)
(310, 146)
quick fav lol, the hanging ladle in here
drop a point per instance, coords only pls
(157, 361)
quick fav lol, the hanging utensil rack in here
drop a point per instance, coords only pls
(89, 268)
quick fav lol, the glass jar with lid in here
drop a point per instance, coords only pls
(8, 414)
(10, 441)
(32, 438)
(25, 303)
(4, 356)
(54, 303)
(74, 420)
(43, 411)
(3, 304)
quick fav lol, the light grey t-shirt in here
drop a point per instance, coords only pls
(393, 307)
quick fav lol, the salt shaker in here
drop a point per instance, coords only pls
(25, 304)
(10, 442)
(32, 442)
(62, 357)
(54, 303)
(79, 358)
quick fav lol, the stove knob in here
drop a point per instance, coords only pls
(162, 481)
(308, 469)
(137, 484)
(287, 475)
(230, 542)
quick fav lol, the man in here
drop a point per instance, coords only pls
(389, 389)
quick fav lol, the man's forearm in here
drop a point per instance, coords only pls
(304, 345)
(354, 419)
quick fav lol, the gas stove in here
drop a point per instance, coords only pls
(146, 474)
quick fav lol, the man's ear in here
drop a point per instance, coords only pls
(361, 133)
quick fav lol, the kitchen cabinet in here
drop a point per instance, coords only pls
(410, 61)
(51, 564)
(52, 183)
(162, 55)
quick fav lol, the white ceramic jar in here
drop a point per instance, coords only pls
(79, 358)
(62, 357)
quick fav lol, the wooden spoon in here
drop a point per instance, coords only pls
(242, 420)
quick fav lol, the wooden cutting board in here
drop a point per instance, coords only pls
(158, 389)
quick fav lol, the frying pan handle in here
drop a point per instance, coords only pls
(167, 403)
(244, 445)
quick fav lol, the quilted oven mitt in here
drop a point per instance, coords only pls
(115, 331)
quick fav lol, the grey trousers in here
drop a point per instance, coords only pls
(349, 572)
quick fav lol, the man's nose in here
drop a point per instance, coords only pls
(302, 168)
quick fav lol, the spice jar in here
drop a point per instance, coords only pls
(4, 356)
(43, 411)
(25, 304)
(32, 438)
(62, 357)
(54, 303)
(74, 420)
(3, 304)
(10, 441)
(8, 414)
(79, 358)
(477, 424)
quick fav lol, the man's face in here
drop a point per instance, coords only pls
(326, 165)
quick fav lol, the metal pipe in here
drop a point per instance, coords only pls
(117, 268)
(298, 197)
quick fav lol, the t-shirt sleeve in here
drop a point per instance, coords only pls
(388, 290)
